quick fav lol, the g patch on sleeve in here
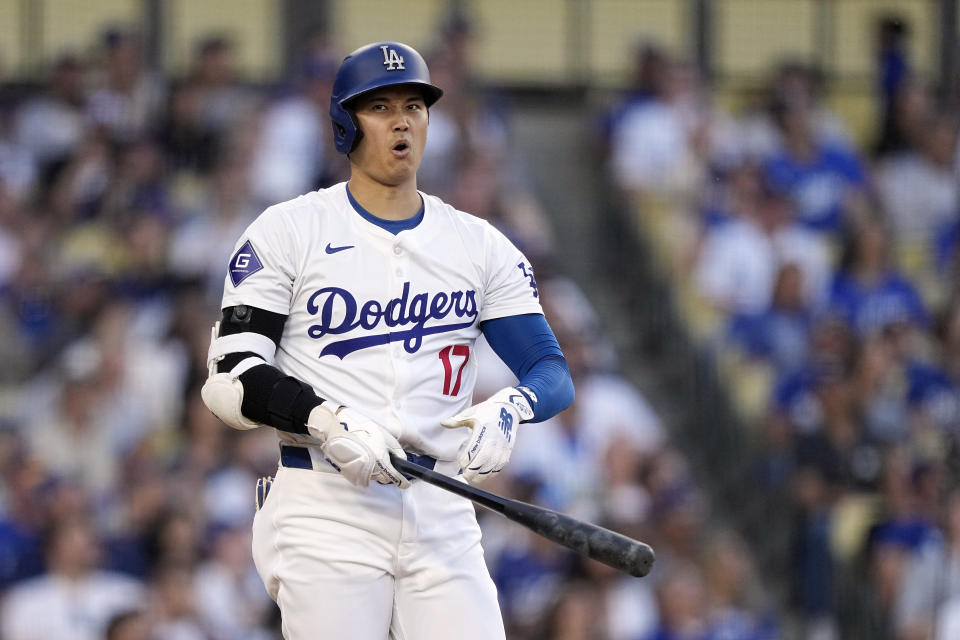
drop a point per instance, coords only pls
(244, 263)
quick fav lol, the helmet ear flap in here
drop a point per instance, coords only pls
(357, 131)
(345, 129)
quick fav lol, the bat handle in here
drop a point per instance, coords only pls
(406, 467)
(483, 498)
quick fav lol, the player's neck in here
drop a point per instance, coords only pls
(384, 201)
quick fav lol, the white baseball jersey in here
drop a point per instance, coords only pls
(382, 323)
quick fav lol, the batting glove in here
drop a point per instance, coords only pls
(356, 446)
(493, 423)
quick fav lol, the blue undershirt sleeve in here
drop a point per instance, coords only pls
(526, 344)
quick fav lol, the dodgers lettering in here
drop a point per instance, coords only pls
(397, 312)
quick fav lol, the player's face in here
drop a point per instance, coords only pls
(394, 125)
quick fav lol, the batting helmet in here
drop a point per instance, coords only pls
(381, 64)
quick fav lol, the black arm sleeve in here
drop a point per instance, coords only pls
(269, 396)
(272, 398)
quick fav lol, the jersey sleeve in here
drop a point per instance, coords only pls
(262, 268)
(510, 288)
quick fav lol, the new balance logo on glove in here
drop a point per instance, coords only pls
(506, 423)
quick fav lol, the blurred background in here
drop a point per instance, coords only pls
(745, 220)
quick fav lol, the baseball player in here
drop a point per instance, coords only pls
(349, 319)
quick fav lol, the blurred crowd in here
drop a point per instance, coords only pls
(821, 275)
(125, 506)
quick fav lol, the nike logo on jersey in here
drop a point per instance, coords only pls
(332, 249)
(406, 316)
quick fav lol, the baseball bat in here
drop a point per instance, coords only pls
(603, 545)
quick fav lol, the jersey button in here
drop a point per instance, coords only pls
(397, 250)
(399, 273)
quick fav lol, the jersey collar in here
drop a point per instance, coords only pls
(392, 226)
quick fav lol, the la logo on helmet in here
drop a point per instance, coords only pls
(392, 60)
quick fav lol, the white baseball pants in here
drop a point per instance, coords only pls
(373, 563)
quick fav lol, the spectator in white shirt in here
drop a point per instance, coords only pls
(130, 97)
(918, 189)
(930, 590)
(739, 261)
(294, 146)
(74, 601)
(51, 126)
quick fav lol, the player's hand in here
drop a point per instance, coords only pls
(493, 423)
(358, 447)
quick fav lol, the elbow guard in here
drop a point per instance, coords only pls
(243, 389)
(260, 395)
(223, 395)
(223, 392)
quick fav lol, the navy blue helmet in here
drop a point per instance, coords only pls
(377, 65)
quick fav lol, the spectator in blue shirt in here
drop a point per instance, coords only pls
(819, 176)
(830, 351)
(683, 612)
(893, 73)
(933, 396)
(869, 294)
(780, 334)
(933, 388)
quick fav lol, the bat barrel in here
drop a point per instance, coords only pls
(609, 547)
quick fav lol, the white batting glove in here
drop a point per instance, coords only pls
(358, 447)
(493, 422)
